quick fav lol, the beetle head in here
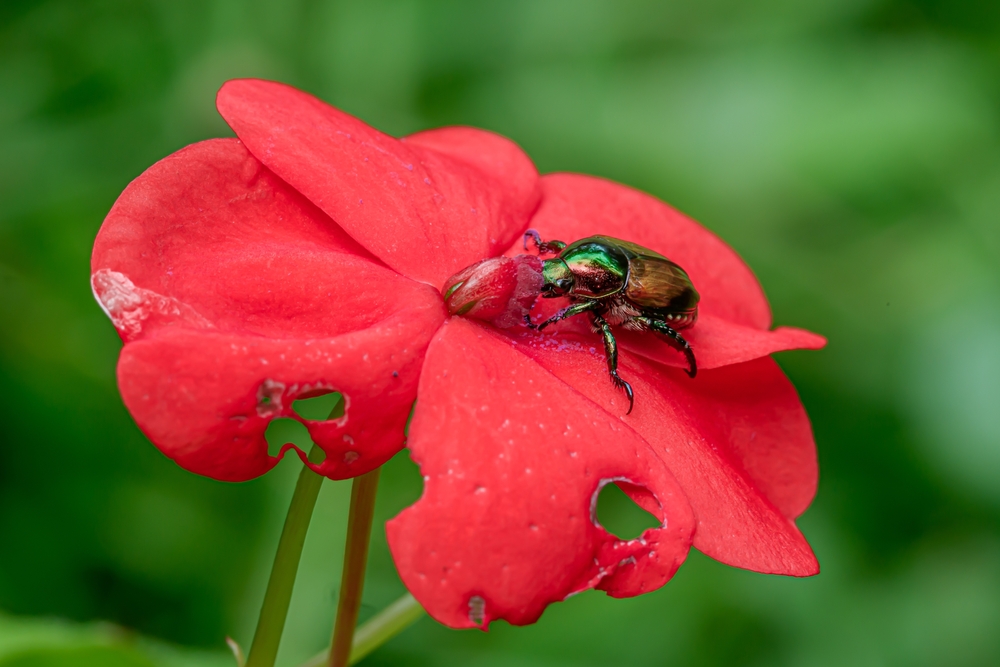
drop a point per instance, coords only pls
(558, 279)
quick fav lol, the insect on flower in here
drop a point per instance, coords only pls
(218, 265)
(618, 283)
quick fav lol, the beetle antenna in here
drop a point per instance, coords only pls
(543, 247)
(534, 236)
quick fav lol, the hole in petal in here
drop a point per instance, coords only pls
(320, 407)
(401, 484)
(409, 418)
(269, 397)
(620, 516)
(284, 430)
(477, 609)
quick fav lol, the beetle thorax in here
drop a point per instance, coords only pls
(598, 270)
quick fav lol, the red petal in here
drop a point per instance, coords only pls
(428, 206)
(716, 342)
(228, 286)
(210, 232)
(736, 439)
(575, 206)
(513, 460)
(197, 394)
(511, 171)
(753, 410)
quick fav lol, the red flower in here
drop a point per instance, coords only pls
(308, 255)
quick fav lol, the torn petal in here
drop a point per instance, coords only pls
(235, 296)
(206, 398)
(737, 440)
(513, 460)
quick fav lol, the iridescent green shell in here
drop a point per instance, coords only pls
(646, 278)
(599, 266)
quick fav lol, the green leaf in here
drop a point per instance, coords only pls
(30, 642)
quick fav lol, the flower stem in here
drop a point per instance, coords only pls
(352, 580)
(273, 611)
(384, 626)
(387, 624)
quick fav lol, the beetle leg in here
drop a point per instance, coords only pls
(660, 326)
(611, 352)
(544, 247)
(568, 311)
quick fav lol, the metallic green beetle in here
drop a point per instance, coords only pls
(619, 284)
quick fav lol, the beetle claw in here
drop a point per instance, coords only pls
(675, 340)
(627, 388)
(692, 369)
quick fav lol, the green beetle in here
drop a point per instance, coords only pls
(618, 283)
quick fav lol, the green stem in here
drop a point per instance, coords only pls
(387, 624)
(384, 626)
(273, 611)
(352, 579)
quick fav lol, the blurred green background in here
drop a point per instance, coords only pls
(848, 149)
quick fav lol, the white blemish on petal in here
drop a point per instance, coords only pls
(129, 306)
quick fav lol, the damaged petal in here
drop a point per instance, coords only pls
(133, 308)
(269, 397)
(477, 609)
(544, 542)
(499, 290)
